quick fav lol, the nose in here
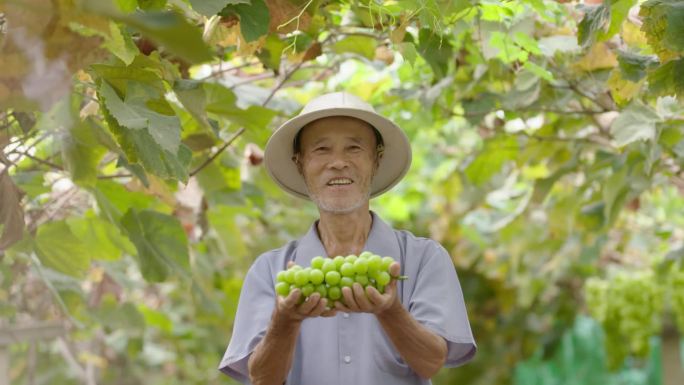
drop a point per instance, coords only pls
(338, 162)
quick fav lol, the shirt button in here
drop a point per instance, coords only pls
(347, 359)
(345, 315)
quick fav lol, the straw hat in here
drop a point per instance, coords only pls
(393, 165)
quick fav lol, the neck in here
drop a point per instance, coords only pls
(343, 234)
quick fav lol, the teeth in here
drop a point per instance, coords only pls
(340, 181)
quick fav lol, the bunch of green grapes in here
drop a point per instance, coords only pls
(327, 276)
(629, 307)
(676, 288)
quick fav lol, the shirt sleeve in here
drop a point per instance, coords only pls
(256, 304)
(437, 302)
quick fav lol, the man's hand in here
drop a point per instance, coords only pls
(358, 300)
(289, 308)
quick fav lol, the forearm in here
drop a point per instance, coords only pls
(423, 350)
(272, 358)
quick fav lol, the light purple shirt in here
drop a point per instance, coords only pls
(352, 348)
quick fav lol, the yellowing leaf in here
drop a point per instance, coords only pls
(622, 90)
(598, 57)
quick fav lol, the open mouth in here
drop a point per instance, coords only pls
(339, 182)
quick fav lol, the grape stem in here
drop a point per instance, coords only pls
(400, 277)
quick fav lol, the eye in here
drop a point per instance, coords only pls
(320, 149)
(355, 148)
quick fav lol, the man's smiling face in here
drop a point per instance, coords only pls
(338, 159)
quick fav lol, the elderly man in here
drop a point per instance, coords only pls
(339, 153)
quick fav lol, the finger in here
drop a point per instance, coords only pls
(360, 297)
(395, 269)
(292, 298)
(320, 308)
(349, 300)
(339, 306)
(308, 305)
(329, 313)
(374, 296)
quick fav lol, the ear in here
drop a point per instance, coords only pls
(298, 163)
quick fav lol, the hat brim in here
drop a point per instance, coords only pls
(393, 165)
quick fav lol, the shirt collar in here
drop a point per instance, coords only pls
(381, 241)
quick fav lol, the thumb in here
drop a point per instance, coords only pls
(395, 269)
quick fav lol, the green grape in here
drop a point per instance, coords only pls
(327, 276)
(322, 290)
(375, 262)
(332, 278)
(361, 266)
(629, 306)
(317, 262)
(386, 263)
(281, 276)
(301, 278)
(282, 288)
(365, 254)
(334, 293)
(328, 265)
(347, 269)
(383, 278)
(362, 279)
(289, 276)
(308, 289)
(316, 276)
(339, 260)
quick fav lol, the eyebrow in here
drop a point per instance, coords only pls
(355, 139)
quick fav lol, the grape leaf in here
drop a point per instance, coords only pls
(663, 24)
(436, 50)
(81, 153)
(58, 248)
(140, 146)
(361, 45)
(254, 18)
(596, 19)
(161, 243)
(636, 122)
(166, 28)
(634, 66)
(101, 237)
(668, 79)
(124, 114)
(212, 7)
(134, 114)
(119, 42)
(491, 158)
(193, 97)
(113, 200)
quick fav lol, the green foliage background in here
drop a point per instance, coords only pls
(548, 143)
